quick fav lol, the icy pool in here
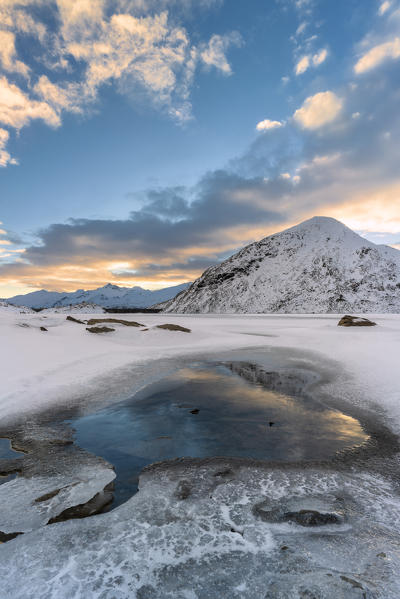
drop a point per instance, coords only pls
(6, 451)
(202, 410)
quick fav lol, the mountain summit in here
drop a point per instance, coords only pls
(318, 266)
(109, 296)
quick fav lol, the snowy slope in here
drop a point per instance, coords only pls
(109, 296)
(6, 307)
(83, 308)
(318, 266)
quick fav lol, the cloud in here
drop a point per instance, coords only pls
(308, 60)
(378, 55)
(318, 110)
(8, 55)
(320, 57)
(301, 28)
(5, 157)
(267, 125)
(214, 54)
(91, 43)
(302, 65)
(348, 171)
(384, 7)
(17, 109)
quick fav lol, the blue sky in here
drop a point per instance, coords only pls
(142, 141)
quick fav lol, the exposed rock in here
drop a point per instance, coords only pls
(72, 319)
(43, 329)
(306, 515)
(195, 411)
(100, 329)
(173, 327)
(311, 518)
(4, 537)
(355, 321)
(47, 496)
(96, 505)
(127, 323)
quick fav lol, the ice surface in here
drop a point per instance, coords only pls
(45, 369)
(157, 545)
(212, 544)
(53, 476)
(28, 503)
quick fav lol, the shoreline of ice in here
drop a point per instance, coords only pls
(208, 541)
(44, 369)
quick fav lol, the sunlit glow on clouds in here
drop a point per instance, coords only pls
(114, 46)
(318, 110)
(266, 125)
(308, 61)
(331, 148)
(371, 211)
(377, 55)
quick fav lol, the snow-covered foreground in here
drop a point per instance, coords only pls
(42, 368)
(217, 527)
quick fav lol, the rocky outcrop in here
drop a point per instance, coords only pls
(355, 321)
(100, 329)
(127, 323)
(173, 327)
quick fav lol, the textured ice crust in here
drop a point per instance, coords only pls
(29, 503)
(192, 533)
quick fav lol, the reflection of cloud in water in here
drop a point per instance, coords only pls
(233, 420)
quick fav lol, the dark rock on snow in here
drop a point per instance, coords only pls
(173, 327)
(355, 321)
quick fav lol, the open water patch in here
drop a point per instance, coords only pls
(216, 409)
(6, 450)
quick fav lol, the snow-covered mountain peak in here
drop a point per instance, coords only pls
(109, 296)
(324, 229)
(317, 266)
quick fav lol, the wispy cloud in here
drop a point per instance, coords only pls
(311, 60)
(214, 53)
(93, 43)
(377, 55)
(384, 7)
(5, 157)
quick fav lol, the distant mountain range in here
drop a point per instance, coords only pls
(318, 266)
(109, 296)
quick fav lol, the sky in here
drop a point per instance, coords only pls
(142, 141)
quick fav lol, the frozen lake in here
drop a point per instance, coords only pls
(216, 409)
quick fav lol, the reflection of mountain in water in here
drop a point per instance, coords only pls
(209, 410)
(288, 382)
